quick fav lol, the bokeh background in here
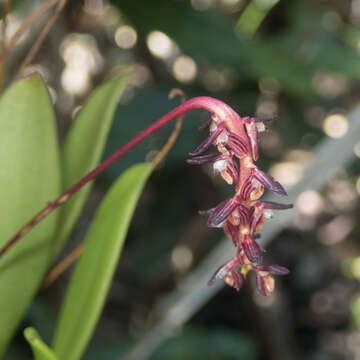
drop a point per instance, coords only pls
(296, 62)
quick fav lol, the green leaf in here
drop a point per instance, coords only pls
(91, 280)
(84, 146)
(40, 350)
(29, 177)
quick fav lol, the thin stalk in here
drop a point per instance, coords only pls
(215, 106)
(65, 263)
(36, 46)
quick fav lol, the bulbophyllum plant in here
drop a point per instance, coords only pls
(241, 216)
(235, 139)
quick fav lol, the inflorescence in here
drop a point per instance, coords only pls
(243, 215)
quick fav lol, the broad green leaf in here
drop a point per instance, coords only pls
(91, 280)
(29, 178)
(40, 350)
(84, 146)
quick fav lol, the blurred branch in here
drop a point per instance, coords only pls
(175, 309)
(36, 46)
(25, 24)
(6, 11)
(62, 266)
(253, 15)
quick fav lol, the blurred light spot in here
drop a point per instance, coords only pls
(321, 302)
(219, 79)
(111, 18)
(342, 194)
(335, 126)
(287, 173)
(315, 115)
(358, 185)
(160, 45)
(184, 69)
(181, 258)
(355, 267)
(142, 75)
(303, 222)
(125, 37)
(355, 10)
(94, 7)
(11, 27)
(336, 230)
(81, 52)
(201, 5)
(357, 149)
(82, 59)
(329, 84)
(331, 21)
(310, 203)
(300, 156)
(266, 108)
(75, 82)
(269, 86)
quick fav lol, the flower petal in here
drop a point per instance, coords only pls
(237, 145)
(274, 269)
(203, 159)
(268, 181)
(276, 206)
(208, 141)
(252, 132)
(252, 250)
(221, 212)
(265, 284)
(232, 231)
(220, 273)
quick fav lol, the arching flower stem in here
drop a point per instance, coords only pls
(216, 107)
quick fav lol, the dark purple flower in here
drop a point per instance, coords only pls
(276, 206)
(209, 140)
(228, 272)
(232, 231)
(246, 189)
(252, 250)
(204, 159)
(273, 269)
(256, 216)
(221, 212)
(268, 181)
(265, 284)
(237, 145)
(252, 132)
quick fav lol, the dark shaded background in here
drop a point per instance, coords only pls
(301, 68)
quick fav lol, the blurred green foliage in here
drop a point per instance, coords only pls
(303, 63)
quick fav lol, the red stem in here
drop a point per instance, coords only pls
(215, 106)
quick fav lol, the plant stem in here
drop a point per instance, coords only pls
(217, 107)
(65, 263)
(36, 46)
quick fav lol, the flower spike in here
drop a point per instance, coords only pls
(243, 215)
